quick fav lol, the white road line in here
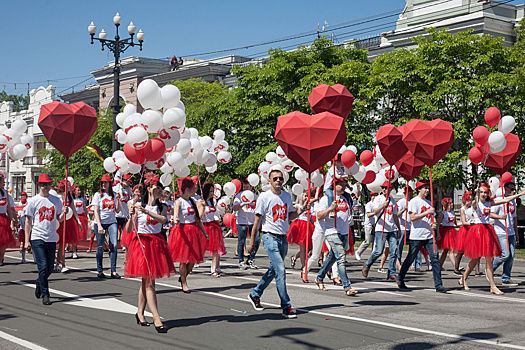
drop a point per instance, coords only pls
(21, 342)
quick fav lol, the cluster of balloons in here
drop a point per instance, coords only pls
(13, 141)
(230, 189)
(496, 186)
(374, 170)
(487, 142)
(173, 147)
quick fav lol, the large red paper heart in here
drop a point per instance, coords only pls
(409, 166)
(335, 99)
(502, 161)
(429, 141)
(66, 127)
(310, 141)
(390, 142)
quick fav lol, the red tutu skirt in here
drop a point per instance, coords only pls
(447, 237)
(71, 231)
(234, 227)
(21, 236)
(126, 237)
(151, 259)
(423, 251)
(82, 235)
(7, 238)
(461, 237)
(325, 248)
(216, 242)
(482, 241)
(297, 233)
(187, 244)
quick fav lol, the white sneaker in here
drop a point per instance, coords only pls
(58, 268)
(357, 256)
(509, 283)
(65, 269)
(243, 266)
(74, 256)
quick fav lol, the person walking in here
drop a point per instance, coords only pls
(244, 224)
(447, 224)
(7, 214)
(370, 220)
(214, 245)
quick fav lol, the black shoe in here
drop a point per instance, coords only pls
(161, 329)
(143, 324)
(184, 291)
(45, 300)
(256, 302)
(401, 284)
(458, 273)
(101, 275)
(115, 275)
(441, 289)
(38, 290)
(289, 313)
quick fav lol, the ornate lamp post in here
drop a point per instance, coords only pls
(117, 46)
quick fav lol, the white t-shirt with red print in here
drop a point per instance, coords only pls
(125, 195)
(186, 211)
(210, 213)
(343, 213)
(275, 210)
(482, 213)
(499, 224)
(422, 228)
(390, 211)
(79, 205)
(5, 201)
(245, 215)
(106, 208)
(400, 206)
(146, 224)
(448, 218)
(44, 212)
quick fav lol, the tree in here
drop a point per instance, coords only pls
(20, 102)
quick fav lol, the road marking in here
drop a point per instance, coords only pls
(20, 341)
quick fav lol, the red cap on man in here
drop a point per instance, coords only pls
(44, 178)
(126, 177)
(387, 184)
(422, 183)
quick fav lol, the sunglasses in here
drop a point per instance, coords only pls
(280, 178)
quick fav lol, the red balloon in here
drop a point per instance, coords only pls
(502, 161)
(481, 135)
(348, 158)
(237, 184)
(195, 178)
(506, 177)
(492, 116)
(155, 148)
(475, 155)
(366, 157)
(370, 176)
(228, 219)
(134, 156)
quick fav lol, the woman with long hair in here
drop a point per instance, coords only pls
(447, 224)
(481, 238)
(149, 256)
(80, 206)
(214, 245)
(7, 213)
(187, 236)
(298, 229)
(72, 226)
(125, 240)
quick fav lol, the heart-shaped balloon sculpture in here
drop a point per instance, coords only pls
(67, 127)
(409, 166)
(310, 141)
(335, 99)
(390, 142)
(502, 161)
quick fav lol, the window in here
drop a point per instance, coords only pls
(18, 183)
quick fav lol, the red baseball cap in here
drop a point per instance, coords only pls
(126, 177)
(44, 178)
(422, 183)
(387, 184)
(105, 178)
(23, 194)
(373, 194)
(409, 189)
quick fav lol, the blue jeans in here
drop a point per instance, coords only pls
(276, 248)
(112, 232)
(337, 244)
(379, 247)
(415, 247)
(242, 232)
(44, 254)
(506, 258)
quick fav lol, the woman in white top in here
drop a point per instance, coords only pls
(447, 224)
(214, 245)
(149, 256)
(72, 226)
(300, 226)
(80, 206)
(7, 213)
(481, 239)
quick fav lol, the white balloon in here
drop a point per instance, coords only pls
(288, 165)
(352, 170)
(148, 94)
(499, 148)
(71, 181)
(386, 170)
(174, 118)
(318, 181)
(211, 169)
(183, 146)
(12, 137)
(194, 133)
(469, 212)
(247, 196)
(206, 142)
(212, 160)
(219, 135)
(297, 189)
(169, 137)
(342, 149)
(69, 213)
(279, 151)
(301, 175)
(3, 143)
(152, 120)
(19, 126)
(263, 168)
(157, 164)
(18, 151)
(195, 145)
(352, 148)
(132, 121)
(374, 166)
(185, 133)
(272, 157)
(496, 139)
(229, 188)
(122, 165)
(201, 157)
(360, 175)
(182, 172)
(166, 168)
(165, 179)
(118, 154)
(494, 182)
(224, 157)
(170, 95)
(253, 179)
(375, 186)
(181, 105)
(27, 141)
(109, 165)
(134, 168)
(216, 193)
(121, 136)
(266, 187)
(506, 124)
(499, 192)
(175, 160)
(121, 117)
(378, 156)
(129, 109)
(286, 177)
(223, 145)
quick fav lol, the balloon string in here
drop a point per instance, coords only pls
(406, 214)
(65, 201)
(432, 206)
(333, 181)
(388, 199)
(308, 212)
(505, 213)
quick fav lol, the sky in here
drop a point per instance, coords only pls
(46, 40)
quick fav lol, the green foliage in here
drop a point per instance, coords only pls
(20, 102)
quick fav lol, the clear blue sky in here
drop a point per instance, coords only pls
(48, 40)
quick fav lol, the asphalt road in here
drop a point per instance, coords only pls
(91, 313)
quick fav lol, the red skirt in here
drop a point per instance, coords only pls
(216, 242)
(71, 231)
(234, 227)
(297, 233)
(21, 236)
(151, 259)
(7, 238)
(350, 250)
(82, 235)
(461, 237)
(187, 243)
(447, 237)
(126, 237)
(482, 241)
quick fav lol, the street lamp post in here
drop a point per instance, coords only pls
(117, 46)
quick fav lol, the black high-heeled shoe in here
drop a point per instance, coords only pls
(143, 324)
(184, 291)
(161, 329)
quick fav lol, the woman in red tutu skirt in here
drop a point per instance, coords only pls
(481, 238)
(149, 256)
(297, 232)
(447, 224)
(187, 240)
(214, 245)
(7, 213)
(126, 237)
(73, 225)
(80, 206)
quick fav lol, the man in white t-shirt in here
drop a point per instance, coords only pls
(274, 210)
(500, 214)
(386, 226)
(421, 235)
(369, 224)
(42, 213)
(245, 220)
(404, 220)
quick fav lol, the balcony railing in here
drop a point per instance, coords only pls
(32, 160)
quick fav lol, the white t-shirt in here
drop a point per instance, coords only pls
(274, 210)
(186, 211)
(390, 210)
(245, 215)
(329, 177)
(314, 216)
(5, 201)
(369, 207)
(125, 195)
(343, 212)
(106, 208)
(400, 206)
(210, 213)
(482, 213)
(448, 218)
(467, 217)
(44, 212)
(146, 224)
(79, 205)
(499, 224)
(421, 229)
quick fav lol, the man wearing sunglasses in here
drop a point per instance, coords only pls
(274, 211)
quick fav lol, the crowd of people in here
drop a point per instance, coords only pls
(158, 229)
(176, 63)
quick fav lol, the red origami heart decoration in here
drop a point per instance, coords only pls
(390, 142)
(310, 141)
(502, 161)
(67, 127)
(429, 141)
(409, 166)
(335, 99)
